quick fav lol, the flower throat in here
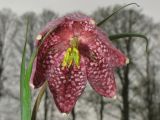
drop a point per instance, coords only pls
(71, 55)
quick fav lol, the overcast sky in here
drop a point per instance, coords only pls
(150, 7)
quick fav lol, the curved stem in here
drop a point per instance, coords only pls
(123, 35)
(38, 101)
(105, 19)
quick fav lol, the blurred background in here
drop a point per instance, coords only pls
(138, 94)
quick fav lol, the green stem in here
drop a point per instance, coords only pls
(38, 101)
(105, 19)
(123, 35)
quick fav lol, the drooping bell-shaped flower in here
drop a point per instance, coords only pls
(74, 52)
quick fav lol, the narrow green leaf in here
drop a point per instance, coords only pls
(105, 19)
(25, 101)
(38, 101)
(29, 68)
(123, 35)
(25, 74)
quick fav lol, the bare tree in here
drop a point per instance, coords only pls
(7, 19)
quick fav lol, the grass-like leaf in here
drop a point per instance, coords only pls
(105, 19)
(25, 73)
(25, 96)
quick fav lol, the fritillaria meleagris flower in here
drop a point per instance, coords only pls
(75, 51)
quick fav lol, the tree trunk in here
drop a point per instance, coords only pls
(125, 95)
(73, 114)
(101, 107)
(46, 106)
(1, 67)
(125, 89)
(149, 87)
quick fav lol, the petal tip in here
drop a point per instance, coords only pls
(127, 61)
(115, 97)
(31, 85)
(92, 22)
(39, 37)
(65, 114)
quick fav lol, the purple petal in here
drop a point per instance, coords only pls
(67, 85)
(101, 78)
(103, 59)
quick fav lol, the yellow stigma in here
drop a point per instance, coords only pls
(72, 54)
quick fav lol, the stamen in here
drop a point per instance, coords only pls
(74, 42)
(67, 60)
(72, 54)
